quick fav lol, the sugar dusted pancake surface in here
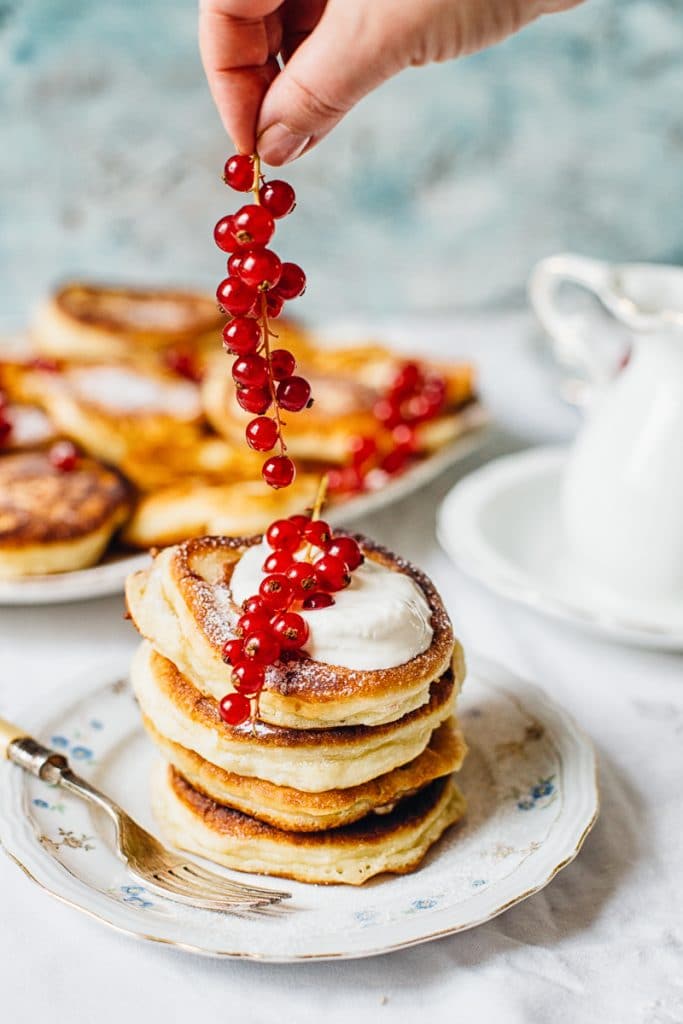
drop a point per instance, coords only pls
(395, 842)
(312, 760)
(183, 606)
(298, 811)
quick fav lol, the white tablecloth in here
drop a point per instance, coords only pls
(604, 941)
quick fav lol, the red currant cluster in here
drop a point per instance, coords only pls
(270, 624)
(254, 292)
(412, 398)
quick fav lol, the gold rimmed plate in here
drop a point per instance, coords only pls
(530, 783)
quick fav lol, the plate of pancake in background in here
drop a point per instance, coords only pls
(529, 780)
(138, 382)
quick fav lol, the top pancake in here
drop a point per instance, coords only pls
(184, 607)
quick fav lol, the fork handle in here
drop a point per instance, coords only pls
(16, 745)
(8, 734)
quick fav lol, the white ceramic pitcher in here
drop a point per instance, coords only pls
(623, 486)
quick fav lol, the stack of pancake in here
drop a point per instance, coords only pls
(345, 774)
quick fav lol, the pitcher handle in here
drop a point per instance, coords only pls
(567, 337)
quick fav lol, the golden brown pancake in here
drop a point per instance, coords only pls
(394, 842)
(345, 385)
(53, 521)
(88, 321)
(312, 760)
(194, 508)
(183, 606)
(296, 811)
(145, 422)
(31, 428)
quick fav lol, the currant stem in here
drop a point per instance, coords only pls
(271, 382)
(320, 497)
(256, 161)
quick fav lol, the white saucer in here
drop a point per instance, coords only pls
(529, 779)
(501, 524)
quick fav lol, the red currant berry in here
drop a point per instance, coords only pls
(278, 561)
(254, 604)
(223, 236)
(234, 296)
(394, 461)
(253, 227)
(300, 521)
(362, 449)
(234, 264)
(416, 409)
(183, 364)
(332, 573)
(250, 371)
(348, 480)
(347, 550)
(63, 456)
(435, 393)
(303, 578)
(282, 363)
(284, 534)
(407, 380)
(260, 268)
(292, 281)
(387, 412)
(318, 600)
(318, 533)
(232, 651)
(276, 591)
(234, 709)
(248, 678)
(274, 304)
(404, 437)
(278, 197)
(43, 363)
(278, 471)
(291, 630)
(261, 646)
(262, 434)
(252, 622)
(293, 394)
(242, 336)
(5, 429)
(238, 172)
(254, 400)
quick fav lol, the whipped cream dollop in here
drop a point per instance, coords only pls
(380, 620)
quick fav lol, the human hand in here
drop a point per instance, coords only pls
(334, 53)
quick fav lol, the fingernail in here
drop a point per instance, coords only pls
(277, 145)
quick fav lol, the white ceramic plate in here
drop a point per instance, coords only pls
(98, 581)
(109, 577)
(502, 525)
(530, 781)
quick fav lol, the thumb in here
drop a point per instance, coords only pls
(343, 59)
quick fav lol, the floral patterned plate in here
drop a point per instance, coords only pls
(530, 782)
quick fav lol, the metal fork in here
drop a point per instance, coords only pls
(157, 867)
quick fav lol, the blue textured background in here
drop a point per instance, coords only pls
(438, 192)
